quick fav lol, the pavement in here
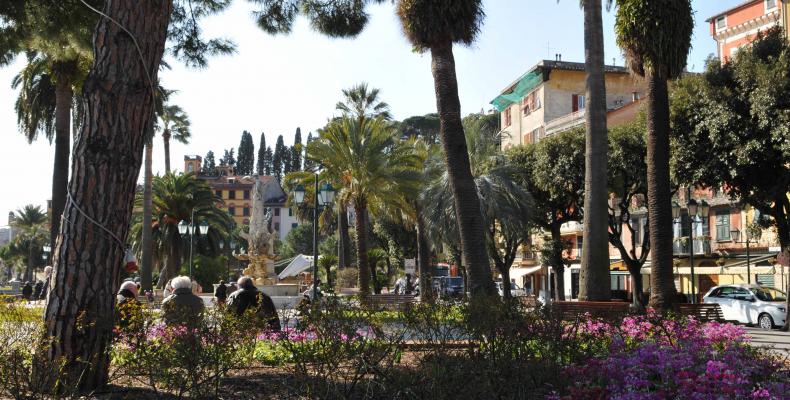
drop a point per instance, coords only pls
(773, 339)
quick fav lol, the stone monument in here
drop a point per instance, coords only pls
(260, 241)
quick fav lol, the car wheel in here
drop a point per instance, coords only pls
(765, 321)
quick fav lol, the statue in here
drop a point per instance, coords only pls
(260, 241)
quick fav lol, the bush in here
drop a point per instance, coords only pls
(347, 278)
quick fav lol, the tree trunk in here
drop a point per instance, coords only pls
(456, 157)
(782, 207)
(659, 196)
(594, 275)
(374, 277)
(637, 289)
(423, 258)
(166, 140)
(30, 263)
(362, 247)
(505, 272)
(146, 270)
(344, 241)
(556, 262)
(118, 101)
(172, 263)
(60, 172)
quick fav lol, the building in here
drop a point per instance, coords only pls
(236, 194)
(550, 98)
(738, 26)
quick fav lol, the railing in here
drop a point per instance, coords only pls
(681, 246)
(565, 122)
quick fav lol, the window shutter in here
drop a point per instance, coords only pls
(575, 102)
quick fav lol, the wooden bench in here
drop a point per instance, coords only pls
(387, 301)
(568, 310)
(703, 312)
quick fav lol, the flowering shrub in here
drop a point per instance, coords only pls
(649, 357)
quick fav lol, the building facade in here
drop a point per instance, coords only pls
(236, 194)
(738, 26)
(550, 98)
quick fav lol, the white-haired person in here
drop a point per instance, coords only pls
(248, 297)
(182, 307)
(128, 307)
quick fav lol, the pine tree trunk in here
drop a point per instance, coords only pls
(108, 151)
(360, 208)
(166, 141)
(456, 157)
(146, 270)
(659, 196)
(423, 258)
(60, 172)
(594, 282)
(344, 239)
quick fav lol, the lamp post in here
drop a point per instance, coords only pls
(323, 197)
(736, 236)
(695, 209)
(191, 228)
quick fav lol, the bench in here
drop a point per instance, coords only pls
(569, 310)
(157, 303)
(387, 301)
(703, 312)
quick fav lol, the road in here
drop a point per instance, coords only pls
(779, 341)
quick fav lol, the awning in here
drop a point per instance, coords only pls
(754, 270)
(697, 270)
(525, 84)
(519, 272)
(299, 264)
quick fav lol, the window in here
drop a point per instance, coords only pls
(231, 194)
(507, 117)
(639, 224)
(722, 225)
(721, 23)
(530, 103)
(290, 212)
(246, 212)
(534, 136)
(579, 244)
(190, 168)
(218, 193)
(577, 102)
(277, 226)
(770, 5)
(765, 280)
(294, 225)
(232, 210)
(277, 212)
(246, 195)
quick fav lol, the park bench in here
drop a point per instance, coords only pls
(570, 310)
(387, 301)
(703, 312)
(157, 303)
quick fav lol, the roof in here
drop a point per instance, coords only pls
(736, 8)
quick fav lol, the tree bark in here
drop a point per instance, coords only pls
(782, 207)
(166, 140)
(594, 282)
(635, 269)
(423, 258)
(146, 270)
(659, 196)
(557, 264)
(456, 157)
(172, 263)
(118, 99)
(362, 247)
(60, 172)
(344, 240)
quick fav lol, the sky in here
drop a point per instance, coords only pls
(274, 84)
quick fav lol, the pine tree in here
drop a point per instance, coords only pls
(209, 167)
(308, 164)
(228, 158)
(268, 167)
(296, 151)
(261, 166)
(246, 160)
(278, 160)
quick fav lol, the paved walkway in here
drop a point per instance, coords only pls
(775, 339)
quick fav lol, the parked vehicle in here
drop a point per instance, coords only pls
(451, 286)
(515, 290)
(750, 304)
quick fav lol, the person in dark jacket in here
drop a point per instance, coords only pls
(27, 291)
(221, 293)
(182, 307)
(37, 290)
(127, 304)
(248, 297)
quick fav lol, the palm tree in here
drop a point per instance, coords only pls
(372, 165)
(175, 125)
(435, 25)
(655, 38)
(174, 197)
(30, 221)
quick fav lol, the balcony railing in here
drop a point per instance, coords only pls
(680, 247)
(565, 122)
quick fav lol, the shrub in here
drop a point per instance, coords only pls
(347, 278)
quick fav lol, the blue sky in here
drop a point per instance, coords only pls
(276, 83)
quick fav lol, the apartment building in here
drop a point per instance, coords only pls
(738, 26)
(550, 98)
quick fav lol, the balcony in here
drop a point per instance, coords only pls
(680, 246)
(565, 122)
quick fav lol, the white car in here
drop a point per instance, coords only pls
(750, 304)
(515, 290)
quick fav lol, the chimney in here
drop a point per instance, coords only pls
(559, 57)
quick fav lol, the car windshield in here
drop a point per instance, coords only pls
(769, 294)
(455, 281)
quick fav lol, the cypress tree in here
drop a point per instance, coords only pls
(261, 166)
(228, 158)
(209, 167)
(246, 159)
(279, 158)
(268, 167)
(296, 151)
(308, 164)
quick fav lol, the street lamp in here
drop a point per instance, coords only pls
(324, 197)
(696, 210)
(736, 236)
(185, 227)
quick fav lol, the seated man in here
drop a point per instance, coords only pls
(248, 297)
(128, 307)
(182, 307)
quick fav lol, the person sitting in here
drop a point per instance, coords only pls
(221, 293)
(182, 307)
(37, 290)
(128, 306)
(248, 297)
(27, 291)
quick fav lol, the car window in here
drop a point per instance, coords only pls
(726, 292)
(769, 294)
(715, 293)
(741, 294)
